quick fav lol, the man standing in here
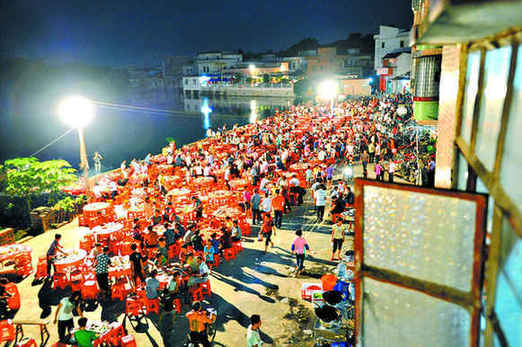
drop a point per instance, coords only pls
(278, 205)
(136, 261)
(364, 160)
(337, 238)
(391, 171)
(253, 337)
(266, 205)
(320, 202)
(255, 201)
(51, 253)
(102, 271)
(97, 158)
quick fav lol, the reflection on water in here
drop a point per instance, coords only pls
(122, 135)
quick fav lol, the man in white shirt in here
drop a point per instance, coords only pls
(266, 204)
(391, 171)
(253, 338)
(320, 202)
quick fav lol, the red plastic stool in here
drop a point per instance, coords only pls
(133, 307)
(76, 280)
(238, 246)
(197, 294)
(128, 341)
(177, 305)
(152, 305)
(90, 290)
(217, 260)
(229, 254)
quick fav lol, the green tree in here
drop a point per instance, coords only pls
(266, 78)
(28, 177)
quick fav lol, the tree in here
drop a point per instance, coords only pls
(28, 177)
(266, 78)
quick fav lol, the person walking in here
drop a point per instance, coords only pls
(266, 231)
(97, 158)
(278, 205)
(337, 239)
(255, 202)
(320, 202)
(64, 317)
(102, 272)
(378, 172)
(298, 247)
(253, 337)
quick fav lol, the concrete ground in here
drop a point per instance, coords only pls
(255, 282)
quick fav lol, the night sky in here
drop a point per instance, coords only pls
(141, 32)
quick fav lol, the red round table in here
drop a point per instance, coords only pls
(72, 260)
(238, 183)
(92, 209)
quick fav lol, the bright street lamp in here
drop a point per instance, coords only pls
(78, 112)
(328, 91)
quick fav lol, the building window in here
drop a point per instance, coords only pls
(382, 45)
(402, 43)
(186, 82)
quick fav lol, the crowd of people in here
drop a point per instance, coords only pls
(280, 159)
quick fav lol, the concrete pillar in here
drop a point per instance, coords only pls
(447, 121)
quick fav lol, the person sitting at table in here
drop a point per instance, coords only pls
(84, 337)
(228, 223)
(151, 238)
(197, 241)
(215, 243)
(209, 252)
(51, 253)
(156, 218)
(235, 234)
(151, 286)
(226, 241)
(163, 250)
(200, 276)
(198, 207)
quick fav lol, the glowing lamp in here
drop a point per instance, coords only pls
(327, 89)
(76, 111)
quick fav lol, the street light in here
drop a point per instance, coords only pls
(328, 91)
(78, 112)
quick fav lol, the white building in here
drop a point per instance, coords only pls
(389, 40)
(295, 63)
(211, 63)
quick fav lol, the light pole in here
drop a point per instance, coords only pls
(328, 91)
(78, 111)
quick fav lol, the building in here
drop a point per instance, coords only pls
(211, 63)
(296, 65)
(332, 60)
(478, 158)
(389, 40)
(394, 76)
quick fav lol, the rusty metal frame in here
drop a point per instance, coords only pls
(469, 300)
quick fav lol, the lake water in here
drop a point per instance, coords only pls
(120, 134)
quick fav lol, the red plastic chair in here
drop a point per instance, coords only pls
(133, 307)
(27, 342)
(76, 280)
(217, 260)
(90, 290)
(13, 301)
(116, 333)
(238, 246)
(205, 288)
(128, 341)
(60, 280)
(7, 331)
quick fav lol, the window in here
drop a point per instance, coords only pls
(382, 45)
(402, 43)
(186, 82)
